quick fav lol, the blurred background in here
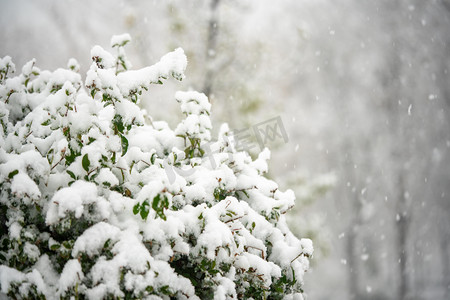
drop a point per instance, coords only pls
(363, 92)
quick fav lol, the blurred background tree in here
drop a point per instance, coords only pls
(362, 88)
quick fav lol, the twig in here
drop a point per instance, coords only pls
(54, 166)
(25, 137)
(301, 253)
(146, 163)
(232, 220)
(228, 204)
(256, 248)
(92, 171)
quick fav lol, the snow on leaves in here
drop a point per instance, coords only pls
(88, 210)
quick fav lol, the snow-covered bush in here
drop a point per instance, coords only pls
(97, 204)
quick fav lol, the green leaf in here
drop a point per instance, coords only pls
(245, 193)
(106, 98)
(155, 202)
(12, 174)
(124, 42)
(50, 156)
(159, 204)
(136, 208)
(294, 280)
(67, 245)
(107, 243)
(124, 144)
(165, 290)
(153, 158)
(118, 123)
(55, 247)
(93, 176)
(71, 174)
(134, 98)
(86, 163)
(144, 212)
(47, 122)
(161, 215)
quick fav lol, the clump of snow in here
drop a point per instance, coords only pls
(71, 275)
(173, 63)
(73, 65)
(107, 176)
(94, 238)
(196, 107)
(71, 199)
(120, 40)
(8, 276)
(23, 186)
(6, 63)
(28, 67)
(102, 57)
(193, 103)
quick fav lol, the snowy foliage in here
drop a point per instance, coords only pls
(97, 204)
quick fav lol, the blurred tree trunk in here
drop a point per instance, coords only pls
(402, 226)
(211, 47)
(444, 232)
(445, 252)
(355, 220)
(399, 132)
(352, 260)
